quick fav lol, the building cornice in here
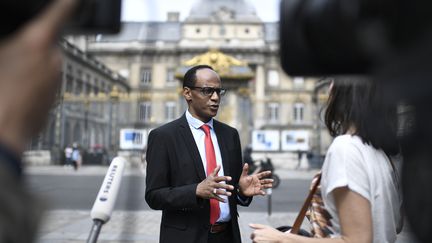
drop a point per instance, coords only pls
(78, 55)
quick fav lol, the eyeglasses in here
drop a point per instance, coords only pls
(208, 91)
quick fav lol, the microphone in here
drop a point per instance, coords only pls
(107, 196)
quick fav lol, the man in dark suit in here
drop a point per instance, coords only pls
(195, 173)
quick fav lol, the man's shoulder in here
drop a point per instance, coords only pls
(170, 126)
(223, 126)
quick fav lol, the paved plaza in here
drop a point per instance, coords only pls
(137, 226)
(73, 226)
(142, 226)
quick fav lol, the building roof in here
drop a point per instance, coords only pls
(223, 10)
(145, 31)
(204, 11)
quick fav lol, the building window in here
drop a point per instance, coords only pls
(79, 75)
(298, 112)
(69, 69)
(273, 112)
(87, 84)
(170, 77)
(102, 86)
(273, 78)
(69, 73)
(78, 87)
(145, 111)
(96, 86)
(87, 88)
(170, 111)
(298, 83)
(69, 87)
(124, 73)
(222, 30)
(145, 76)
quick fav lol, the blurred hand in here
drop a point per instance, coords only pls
(267, 234)
(30, 67)
(214, 185)
(252, 185)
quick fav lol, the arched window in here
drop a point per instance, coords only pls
(298, 83)
(273, 78)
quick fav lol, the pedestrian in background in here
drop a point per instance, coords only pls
(359, 184)
(68, 155)
(30, 76)
(76, 156)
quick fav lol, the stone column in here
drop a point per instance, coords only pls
(259, 102)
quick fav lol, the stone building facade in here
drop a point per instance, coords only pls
(148, 54)
(86, 108)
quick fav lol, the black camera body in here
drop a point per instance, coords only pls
(317, 38)
(389, 40)
(328, 37)
(90, 16)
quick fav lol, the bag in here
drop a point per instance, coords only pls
(302, 232)
(319, 217)
(295, 229)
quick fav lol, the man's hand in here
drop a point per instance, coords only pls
(213, 186)
(252, 185)
(30, 68)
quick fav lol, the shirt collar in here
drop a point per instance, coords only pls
(197, 123)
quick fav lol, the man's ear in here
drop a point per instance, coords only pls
(187, 94)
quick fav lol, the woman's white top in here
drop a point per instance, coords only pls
(367, 171)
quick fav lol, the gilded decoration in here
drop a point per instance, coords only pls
(226, 66)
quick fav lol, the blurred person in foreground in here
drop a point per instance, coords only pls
(30, 65)
(359, 185)
(195, 173)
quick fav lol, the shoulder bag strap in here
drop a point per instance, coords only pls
(300, 217)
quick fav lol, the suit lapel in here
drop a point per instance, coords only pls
(191, 145)
(222, 147)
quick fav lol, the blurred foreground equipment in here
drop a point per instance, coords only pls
(106, 198)
(389, 40)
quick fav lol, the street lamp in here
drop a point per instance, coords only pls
(113, 97)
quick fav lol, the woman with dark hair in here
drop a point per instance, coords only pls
(359, 184)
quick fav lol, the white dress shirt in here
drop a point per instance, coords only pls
(199, 137)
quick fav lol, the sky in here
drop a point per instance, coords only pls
(155, 10)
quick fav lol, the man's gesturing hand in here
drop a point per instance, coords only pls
(252, 185)
(213, 186)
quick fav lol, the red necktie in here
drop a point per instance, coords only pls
(211, 165)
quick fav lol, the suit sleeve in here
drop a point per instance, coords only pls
(160, 194)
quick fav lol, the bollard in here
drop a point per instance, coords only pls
(269, 201)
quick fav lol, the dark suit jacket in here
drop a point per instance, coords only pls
(20, 211)
(174, 169)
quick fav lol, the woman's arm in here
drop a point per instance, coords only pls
(355, 219)
(355, 216)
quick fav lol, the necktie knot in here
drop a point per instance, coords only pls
(206, 129)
